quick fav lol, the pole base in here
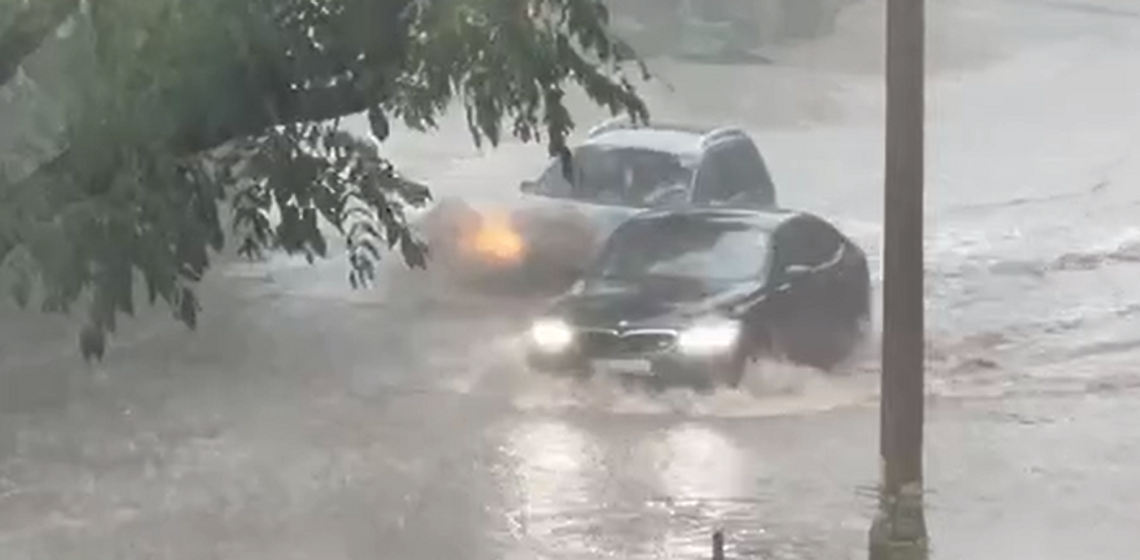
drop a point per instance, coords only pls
(899, 529)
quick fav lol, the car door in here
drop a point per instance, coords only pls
(804, 276)
(760, 309)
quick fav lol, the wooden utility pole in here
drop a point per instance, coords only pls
(899, 531)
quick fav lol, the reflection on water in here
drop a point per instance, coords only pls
(553, 473)
(678, 484)
(702, 475)
(699, 463)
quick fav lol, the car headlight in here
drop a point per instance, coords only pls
(551, 335)
(709, 338)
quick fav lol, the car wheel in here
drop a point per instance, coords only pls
(815, 343)
(733, 374)
(730, 374)
(840, 341)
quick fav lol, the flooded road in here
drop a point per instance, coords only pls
(305, 420)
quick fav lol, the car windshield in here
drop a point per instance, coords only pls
(625, 176)
(685, 248)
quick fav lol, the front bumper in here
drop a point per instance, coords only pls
(668, 365)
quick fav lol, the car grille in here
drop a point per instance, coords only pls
(612, 344)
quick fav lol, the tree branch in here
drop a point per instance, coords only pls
(194, 137)
(35, 23)
(276, 109)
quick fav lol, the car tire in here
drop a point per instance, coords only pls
(733, 375)
(842, 339)
(812, 344)
(847, 342)
(730, 375)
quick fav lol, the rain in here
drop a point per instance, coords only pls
(306, 419)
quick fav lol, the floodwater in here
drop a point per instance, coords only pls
(305, 420)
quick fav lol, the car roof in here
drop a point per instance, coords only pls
(680, 139)
(767, 219)
(668, 141)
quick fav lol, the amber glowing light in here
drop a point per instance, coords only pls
(497, 240)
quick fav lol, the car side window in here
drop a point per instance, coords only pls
(735, 171)
(713, 181)
(806, 242)
(749, 173)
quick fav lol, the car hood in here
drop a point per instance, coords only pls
(651, 303)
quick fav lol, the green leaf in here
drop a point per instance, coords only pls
(174, 115)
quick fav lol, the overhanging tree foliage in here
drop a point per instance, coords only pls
(175, 107)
